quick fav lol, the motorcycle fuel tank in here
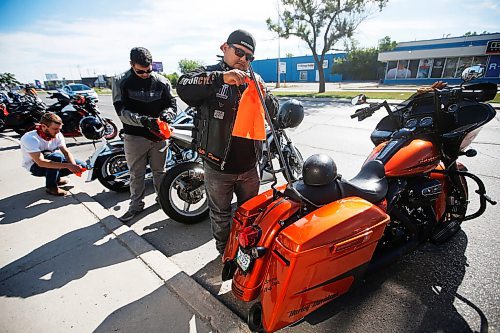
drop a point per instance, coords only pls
(406, 159)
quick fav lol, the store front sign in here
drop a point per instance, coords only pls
(493, 47)
(305, 66)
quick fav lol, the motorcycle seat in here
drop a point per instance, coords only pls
(369, 184)
(319, 195)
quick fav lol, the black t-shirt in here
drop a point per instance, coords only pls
(241, 156)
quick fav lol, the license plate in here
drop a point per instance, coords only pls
(243, 260)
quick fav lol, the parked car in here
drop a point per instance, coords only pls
(73, 89)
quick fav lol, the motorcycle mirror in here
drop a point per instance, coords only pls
(360, 99)
(473, 72)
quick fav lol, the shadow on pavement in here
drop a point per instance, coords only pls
(30, 204)
(153, 313)
(61, 261)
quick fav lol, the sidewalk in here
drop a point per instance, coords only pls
(68, 264)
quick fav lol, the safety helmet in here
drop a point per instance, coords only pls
(91, 128)
(290, 114)
(318, 170)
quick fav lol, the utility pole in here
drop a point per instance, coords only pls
(279, 60)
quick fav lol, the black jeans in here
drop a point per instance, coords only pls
(52, 176)
(220, 188)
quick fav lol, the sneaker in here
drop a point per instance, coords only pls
(63, 181)
(56, 191)
(129, 215)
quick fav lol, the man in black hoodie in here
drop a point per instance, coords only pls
(140, 97)
(229, 161)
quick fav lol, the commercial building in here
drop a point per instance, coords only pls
(297, 69)
(426, 61)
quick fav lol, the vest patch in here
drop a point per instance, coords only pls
(218, 114)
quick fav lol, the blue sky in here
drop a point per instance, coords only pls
(73, 38)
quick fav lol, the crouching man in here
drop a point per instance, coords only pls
(45, 154)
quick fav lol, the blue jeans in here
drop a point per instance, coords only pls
(52, 176)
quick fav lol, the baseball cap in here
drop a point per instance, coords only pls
(243, 38)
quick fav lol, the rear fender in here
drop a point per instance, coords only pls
(94, 163)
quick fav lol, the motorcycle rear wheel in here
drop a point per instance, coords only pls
(114, 163)
(182, 193)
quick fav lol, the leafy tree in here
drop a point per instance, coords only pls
(385, 44)
(321, 24)
(362, 63)
(186, 65)
(173, 78)
(289, 55)
(8, 79)
(473, 33)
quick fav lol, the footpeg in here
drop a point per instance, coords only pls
(444, 232)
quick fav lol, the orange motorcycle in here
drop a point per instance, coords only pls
(302, 244)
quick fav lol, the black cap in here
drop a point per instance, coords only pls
(243, 38)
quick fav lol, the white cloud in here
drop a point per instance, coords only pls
(195, 29)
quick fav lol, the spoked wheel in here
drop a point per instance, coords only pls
(182, 193)
(114, 173)
(110, 129)
(254, 319)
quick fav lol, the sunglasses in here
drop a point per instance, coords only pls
(140, 71)
(240, 53)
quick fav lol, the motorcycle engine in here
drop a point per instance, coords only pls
(423, 191)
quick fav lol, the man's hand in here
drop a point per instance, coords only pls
(149, 122)
(167, 116)
(74, 168)
(235, 77)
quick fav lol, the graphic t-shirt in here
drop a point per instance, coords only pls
(31, 142)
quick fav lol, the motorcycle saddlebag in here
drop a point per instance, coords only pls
(318, 258)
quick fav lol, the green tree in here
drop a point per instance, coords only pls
(321, 24)
(362, 63)
(385, 44)
(173, 78)
(8, 79)
(186, 65)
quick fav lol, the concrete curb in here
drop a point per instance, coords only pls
(204, 304)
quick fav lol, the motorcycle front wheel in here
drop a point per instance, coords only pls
(114, 173)
(110, 129)
(182, 193)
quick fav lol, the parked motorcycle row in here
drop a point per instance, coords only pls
(21, 112)
(302, 244)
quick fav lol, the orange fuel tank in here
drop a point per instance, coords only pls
(419, 156)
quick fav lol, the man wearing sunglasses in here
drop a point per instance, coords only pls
(140, 97)
(229, 161)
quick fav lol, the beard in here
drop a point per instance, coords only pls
(48, 134)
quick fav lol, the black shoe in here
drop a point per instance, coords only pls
(129, 215)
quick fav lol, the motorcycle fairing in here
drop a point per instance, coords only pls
(318, 258)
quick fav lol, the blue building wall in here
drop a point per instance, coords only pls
(268, 69)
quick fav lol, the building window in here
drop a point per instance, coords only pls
(424, 68)
(437, 67)
(482, 60)
(463, 63)
(303, 75)
(398, 70)
(450, 67)
(413, 67)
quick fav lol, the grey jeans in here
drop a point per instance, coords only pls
(138, 152)
(220, 188)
